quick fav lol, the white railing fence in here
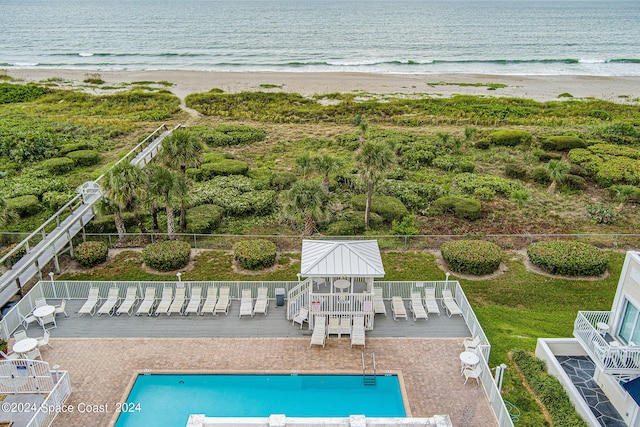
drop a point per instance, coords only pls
(13, 319)
(298, 297)
(345, 304)
(47, 411)
(23, 376)
(493, 394)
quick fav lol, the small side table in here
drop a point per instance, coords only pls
(602, 328)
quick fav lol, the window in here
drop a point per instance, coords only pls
(630, 328)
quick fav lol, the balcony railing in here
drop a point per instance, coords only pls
(612, 356)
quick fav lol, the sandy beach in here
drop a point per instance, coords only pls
(540, 88)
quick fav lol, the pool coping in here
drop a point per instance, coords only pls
(135, 374)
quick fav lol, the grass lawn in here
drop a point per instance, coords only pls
(514, 309)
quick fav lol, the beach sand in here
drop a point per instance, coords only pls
(540, 88)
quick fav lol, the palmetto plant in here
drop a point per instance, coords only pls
(558, 171)
(309, 198)
(327, 164)
(6, 213)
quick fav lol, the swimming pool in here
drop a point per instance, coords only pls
(169, 399)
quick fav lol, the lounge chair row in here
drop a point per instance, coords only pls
(337, 324)
(172, 303)
(419, 310)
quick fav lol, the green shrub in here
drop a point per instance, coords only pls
(614, 150)
(476, 257)
(460, 207)
(24, 205)
(281, 180)
(76, 146)
(56, 199)
(445, 163)
(476, 185)
(618, 170)
(620, 133)
(89, 253)
(255, 254)
(541, 175)
(515, 171)
(107, 223)
(84, 157)
(510, 138)
(405, 227)
(546, 156)
(57, 165)
(167, 256)
(601, 214)
(215, 157)
(574, 182)
(562, 143)
(352, 223)
(387, 207)
(11, 93)
(223, 167)
(548, 389)
(568, 258)
(414, 195)
(578, 170)
(15, 257)
(482, 144)
(236, 194)
(227, 135)
(466, 166)
(600, 114)
(204, 218)
(631, 192)
(586, 159)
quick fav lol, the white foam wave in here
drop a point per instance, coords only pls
(85, 54)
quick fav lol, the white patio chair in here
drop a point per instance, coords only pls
(222, 306)
(301, 317)
(44, 340)
(108, 307)
(398, 309)
(9, 356)
(471, 343)
(246, 303)
(178, 302)
(417, 309)
(27, 320)
(60, 309)
(194, 301)
(33, 354)
(262, 302)
(319, 334)
(41, 302)
(90, 304)
(149, 300)
(19, 336)
(130, 299)
(378, 302)
(472, 373)
(210, 302)
(49, 318)
(165, 300)
(430, 301)
(357, 332)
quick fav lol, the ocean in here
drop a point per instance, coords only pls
(377, 36)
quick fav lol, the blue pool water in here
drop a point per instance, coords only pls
(168, 400)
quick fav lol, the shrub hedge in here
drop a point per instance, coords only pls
(562, 143)
(510, 138)
(461, 207)
(414, 195)
(204, 218)
(548, 389)
(255, 254)
(477, 257)
(57, 165)
(387, 207)
(15, 257)
(222, 167)
(352, 222)
(84, 157)
(227, 135)
(167, 256)
(24, 205)
(541, 175)
(568, 258)
(515, 171)
(56, 199)
(76, 146)
(91, 253)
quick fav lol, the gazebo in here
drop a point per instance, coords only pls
(339, 278)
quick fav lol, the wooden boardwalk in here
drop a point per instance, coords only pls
(232, 326)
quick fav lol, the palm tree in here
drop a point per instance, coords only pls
(6, 213)
(125, 186)
(327, 164)
(106, 206)
(558, 171)
(373, 158)
(309, 198)
(165, 186)
(364, 127)
(152, 201)
(181, 150)
(304, 164)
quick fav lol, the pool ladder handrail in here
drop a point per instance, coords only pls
(369, 379)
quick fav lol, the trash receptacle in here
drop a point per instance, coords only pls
(279, 296)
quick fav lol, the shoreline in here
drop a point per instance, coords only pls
(620, 89)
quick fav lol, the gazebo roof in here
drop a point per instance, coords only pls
(326, 258)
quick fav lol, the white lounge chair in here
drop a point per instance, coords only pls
(178, 302)
(165, 300)
(9, 356)
(194, 301)
(334, 326)
(417, 309)
(130, 299)
(397, 308)
(222, 306)
(60, 309)
(345, 325)
(90, 304)
(319, 334)
(262, 302)
(378, 302)
(210, 302)
(450, 304)
(109, 305)
(357, 331)
(471, 344)
(430, 301)
(146, 306)
(246, 303)
(301, 317)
